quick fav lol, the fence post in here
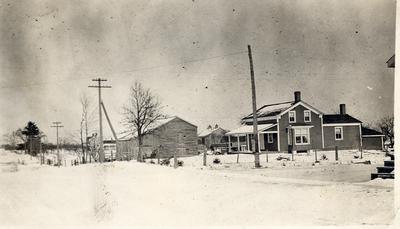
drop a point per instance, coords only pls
(175, 161)
(266, 155)
(205, 158)
(237, 159)
(316, 156)
(336, 153)
(158, 156)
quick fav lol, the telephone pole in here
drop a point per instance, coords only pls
(255, 123)
(99, 86)
(57, 125)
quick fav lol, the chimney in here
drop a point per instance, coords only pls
(297, 96)
(342, 109)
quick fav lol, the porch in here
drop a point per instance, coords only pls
(242, 138)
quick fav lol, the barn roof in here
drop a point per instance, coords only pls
(368, 131)
(339, 118)
(155, 125)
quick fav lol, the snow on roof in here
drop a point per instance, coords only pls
(248, 129)
(160, 122)
(207, 132)
(155, 125)
(271, 109)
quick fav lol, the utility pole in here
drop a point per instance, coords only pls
(57, 125)
(99, 86)
(255, 124)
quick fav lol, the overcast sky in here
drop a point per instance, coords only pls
(192, 54)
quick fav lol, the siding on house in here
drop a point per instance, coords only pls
(315, 130)
(351, 137)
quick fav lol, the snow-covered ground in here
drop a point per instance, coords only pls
(131, 193)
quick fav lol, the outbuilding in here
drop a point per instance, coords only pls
(372, 139)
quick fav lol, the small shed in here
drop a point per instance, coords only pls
(213, 137)
(372, 139)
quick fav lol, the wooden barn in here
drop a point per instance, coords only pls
(166, 137)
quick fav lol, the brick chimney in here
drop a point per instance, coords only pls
(297, 96)
(342, 109)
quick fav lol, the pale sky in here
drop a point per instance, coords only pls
(192, 54)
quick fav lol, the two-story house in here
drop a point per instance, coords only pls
(297, 126)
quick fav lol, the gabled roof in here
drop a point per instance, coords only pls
(157, 124)
(207, 132)
(368, 131)
(277, 109)
(339, 118)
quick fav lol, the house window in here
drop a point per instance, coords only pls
(270, 138)
(292, 116)
(302, 136)
(338, 133)
(307, 116)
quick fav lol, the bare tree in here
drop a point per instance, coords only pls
(11, 139)
(141, 111)
(386, 125)
(85, 103)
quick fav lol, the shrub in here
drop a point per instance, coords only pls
(180, 163)
(216, 161)
(165, 162)
(152, 162)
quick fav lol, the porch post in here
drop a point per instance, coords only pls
(229, 143)
(238, 142)
(247, 142)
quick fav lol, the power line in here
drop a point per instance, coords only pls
(126, 71)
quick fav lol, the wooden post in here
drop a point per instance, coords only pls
(238, 142)
(175, 160)
(158, 156)
(336, 153)
(254, 105)
(292, 133)
(266, 155)
(205, 158)
(316, 156)
(237, 159)
(229, 143)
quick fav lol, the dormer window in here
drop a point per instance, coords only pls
(292, 116)
(307, 116)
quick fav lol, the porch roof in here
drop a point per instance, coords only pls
(248, 129)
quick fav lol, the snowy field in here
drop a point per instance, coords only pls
(230, 193)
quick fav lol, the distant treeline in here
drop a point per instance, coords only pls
(45, 146)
